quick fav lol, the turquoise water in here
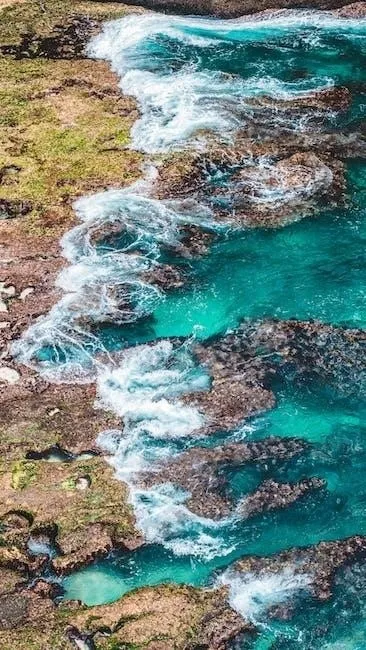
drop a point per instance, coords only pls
(192, 75)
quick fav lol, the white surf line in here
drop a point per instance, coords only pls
(178, 105)
(145, 385)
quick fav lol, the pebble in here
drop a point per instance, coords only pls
(82, 483)
(9, 291)
(25, 293)
(9, 375)
(53, 412)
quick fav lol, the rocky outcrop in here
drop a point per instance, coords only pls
(198, 472)
(334, 354)
(187, 173)
(237, 390)
(263, 192)
(236, 8)
(66, 41)
(272, 495)
(354, 10)
(181, 617)
(319, 563)
(77, 508)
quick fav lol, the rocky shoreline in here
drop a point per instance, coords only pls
(40, 422)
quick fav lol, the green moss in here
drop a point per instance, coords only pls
(66, 138)
(23, 474)
(68, 484)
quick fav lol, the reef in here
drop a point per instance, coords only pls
(199, 471)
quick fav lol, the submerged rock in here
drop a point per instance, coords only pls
(271, 495)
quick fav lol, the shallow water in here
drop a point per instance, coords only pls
(189, 75)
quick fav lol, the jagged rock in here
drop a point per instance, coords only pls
(238, 389)
(272, 495)
(232, 8)
(13, 209)
(264, 192)
(320, 562)
(164, 276)
(185, 174)
(197, 471)
(182, 617)
(65, 42)
(335, 354)
(354, 10)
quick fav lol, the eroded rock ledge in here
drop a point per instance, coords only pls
(320, 563)
(198, 472)
(236, 8)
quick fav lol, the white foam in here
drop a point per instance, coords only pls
(104, 285)
(251, 595)
(144, 385)
(177, 105)
(145, 390)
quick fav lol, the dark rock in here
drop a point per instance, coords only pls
(13, 209)
(320, 563)
(335, 354)
(65, 42)
(273, 496)
(197, 471)
(164, 276)
(13, 610)
(231, 8)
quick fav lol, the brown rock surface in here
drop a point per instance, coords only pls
(83, 523)
(181, 617)
(197, 471)
(235, 8)
(319, 562)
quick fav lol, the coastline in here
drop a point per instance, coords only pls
(50, 416)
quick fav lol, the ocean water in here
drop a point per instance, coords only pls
(194, 79)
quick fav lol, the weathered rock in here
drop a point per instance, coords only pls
(272, 195)
(264, 192)
(320, 563)
(13, 209)
(197, 471)
(335, 354)
(272, 495)
(239, 388)
(82, 524)
(164, 276)
(233, 8)
(354, 10)
(182, 617)
(65, 42)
